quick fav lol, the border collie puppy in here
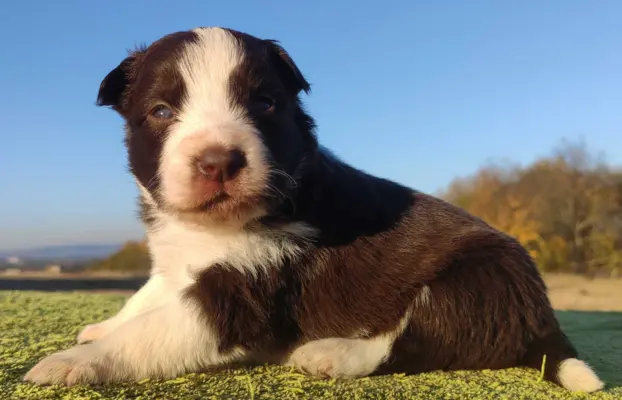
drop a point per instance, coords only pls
(268, 249)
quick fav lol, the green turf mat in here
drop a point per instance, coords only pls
(34, 324)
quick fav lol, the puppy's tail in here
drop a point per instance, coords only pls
(556, 358)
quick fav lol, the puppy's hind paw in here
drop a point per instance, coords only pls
(336, 358)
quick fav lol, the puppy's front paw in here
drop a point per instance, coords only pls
(93, 332)
(336, 358)
(79, 365)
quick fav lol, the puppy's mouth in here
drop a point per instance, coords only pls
(223, 208)
(218, 198)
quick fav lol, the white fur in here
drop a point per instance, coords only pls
(209, 118)
(346, 358)
(165, 342)
(576, 376)
(152, 295)
(180, 250)
(145, 194)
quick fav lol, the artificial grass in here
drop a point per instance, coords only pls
(34, 324)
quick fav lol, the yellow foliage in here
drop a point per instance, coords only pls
(566, 211)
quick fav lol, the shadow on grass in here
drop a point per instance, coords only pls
(598, 338)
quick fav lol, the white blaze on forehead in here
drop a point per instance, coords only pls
(206, 67)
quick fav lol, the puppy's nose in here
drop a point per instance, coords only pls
(219, 164)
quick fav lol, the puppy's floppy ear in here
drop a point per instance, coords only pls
(286, 68)
(114, 84)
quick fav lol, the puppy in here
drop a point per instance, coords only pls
(266, 248)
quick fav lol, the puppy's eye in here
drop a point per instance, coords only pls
(162, 112)
(262, 104)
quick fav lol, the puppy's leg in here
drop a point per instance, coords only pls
(342, 358)
(165, 342)
(151, 295)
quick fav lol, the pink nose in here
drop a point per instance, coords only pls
(221, 165)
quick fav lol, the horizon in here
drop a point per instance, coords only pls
(428, 94)
(10, 252)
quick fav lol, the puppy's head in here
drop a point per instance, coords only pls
(215, 129)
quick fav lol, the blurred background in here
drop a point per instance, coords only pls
(509, 110)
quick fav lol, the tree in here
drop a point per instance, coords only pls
(566, 209)
(132, 257)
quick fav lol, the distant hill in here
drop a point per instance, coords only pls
(64, 252)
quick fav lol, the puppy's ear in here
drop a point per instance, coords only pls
(113, 86)
(286, 68)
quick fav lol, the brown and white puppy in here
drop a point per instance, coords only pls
(266, 248)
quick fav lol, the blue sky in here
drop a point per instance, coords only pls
(416, 91)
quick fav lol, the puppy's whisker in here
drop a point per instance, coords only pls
(284, 174)
(150, 184)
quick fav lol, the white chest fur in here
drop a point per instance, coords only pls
(179, 250)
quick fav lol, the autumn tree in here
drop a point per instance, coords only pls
(566, 209)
